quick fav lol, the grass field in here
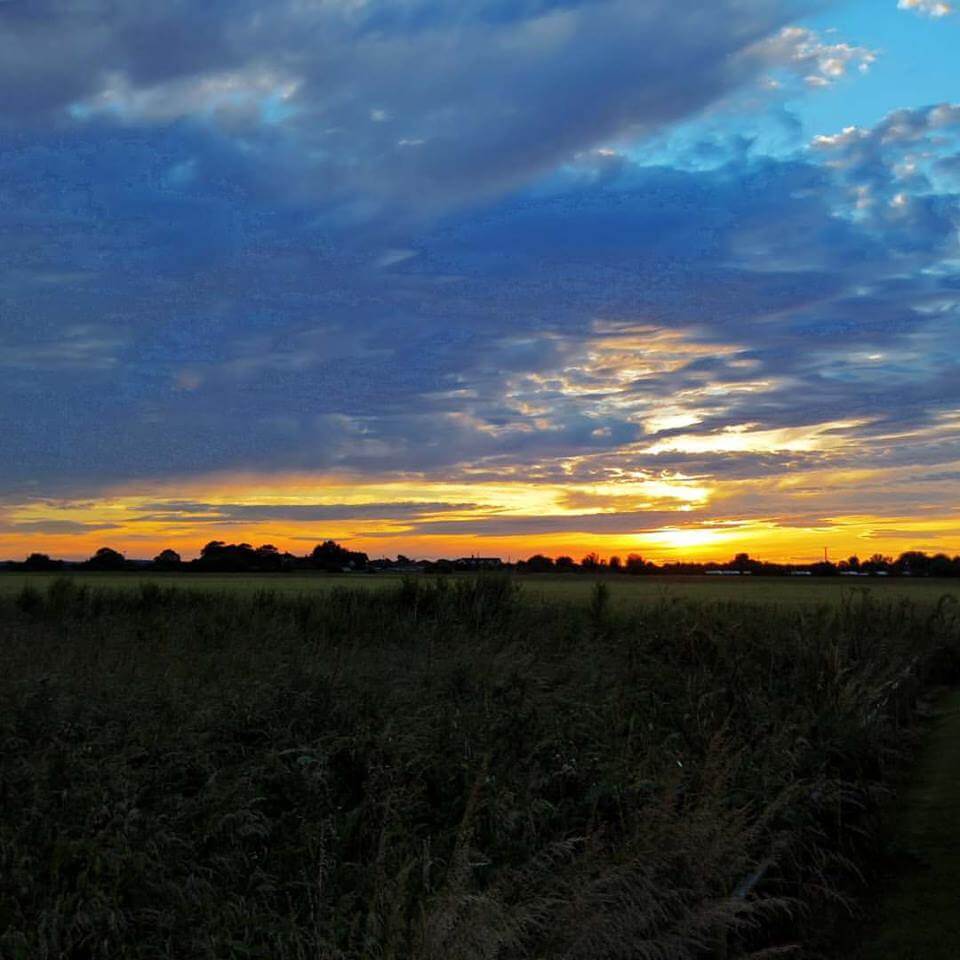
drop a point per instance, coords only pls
(918, 918)
(450, 770)
(623, 589)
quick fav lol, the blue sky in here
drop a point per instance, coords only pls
(916, 63)
(480, 276)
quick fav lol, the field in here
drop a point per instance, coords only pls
(624, 590)
(461, 769)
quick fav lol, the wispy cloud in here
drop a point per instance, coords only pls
(929, 8)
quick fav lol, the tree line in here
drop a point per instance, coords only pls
(331, 557)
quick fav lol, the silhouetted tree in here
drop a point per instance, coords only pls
(565, 564)
(227, 557)
(744, 564)
(167, 560)
(538, 563)
(242, 557)
(107, 559)
(40, 561)
(615, 564)
(878, 563)
(941, 566)
(913, 563)
(330, 556)
(268, 558)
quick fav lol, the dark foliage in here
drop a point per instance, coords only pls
(106, 559)
(331, 557)
(440, 770)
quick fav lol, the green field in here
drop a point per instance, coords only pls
(623, 589)
(919, 918)
(448, 769)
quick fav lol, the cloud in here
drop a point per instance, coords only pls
(425, 240)
(80, 347)
(820, 63)
(590, 320)
(191, 512)
(358, 105)
(55, 527)
(929, 8)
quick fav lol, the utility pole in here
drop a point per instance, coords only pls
(825, 560)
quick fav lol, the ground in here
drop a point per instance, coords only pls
(623, 589)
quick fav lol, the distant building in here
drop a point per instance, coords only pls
(478, 563)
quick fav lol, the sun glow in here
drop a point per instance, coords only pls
(686, 539)
(662, 517)
(744, 439)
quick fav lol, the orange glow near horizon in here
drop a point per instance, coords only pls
(661, 518)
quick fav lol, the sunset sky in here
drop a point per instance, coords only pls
(451, 277)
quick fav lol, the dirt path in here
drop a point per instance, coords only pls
(918, 918)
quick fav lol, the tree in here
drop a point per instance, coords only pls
(615, 564)
(227, 557)
(591, 562)
(913, 563)
(878, 563)
(941, 566)
(635, 564)
(268, 557)
(40, 561)
(107, 559)
(744, 564)
(565, 564)
(538, 563)
(330, 556)
(167, 560)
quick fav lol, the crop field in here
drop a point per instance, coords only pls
(623, 589)
(454, 769)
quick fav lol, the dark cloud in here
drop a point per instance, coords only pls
(55, 526)
(532, 526)
(190, 512)
(441, 358)
(448, 99)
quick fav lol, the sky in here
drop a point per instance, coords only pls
(496, 277)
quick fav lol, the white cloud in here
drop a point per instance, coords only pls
(929, 8)
(234, 91)
(899, 130)
(846, 137)
(820, 64)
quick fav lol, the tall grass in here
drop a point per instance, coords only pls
(441, 771)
